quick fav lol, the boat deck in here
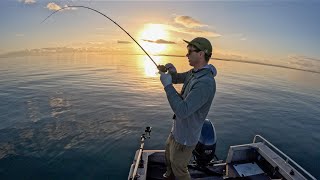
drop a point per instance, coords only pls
(156, 169)
(254, 161)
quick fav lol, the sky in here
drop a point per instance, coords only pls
(278, 31)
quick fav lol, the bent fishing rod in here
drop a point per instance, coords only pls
(161, 68)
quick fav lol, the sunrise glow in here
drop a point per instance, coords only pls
(150, 34)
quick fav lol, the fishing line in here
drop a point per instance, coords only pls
(159, 67)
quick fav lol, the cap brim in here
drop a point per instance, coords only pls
(190, 43)
(186, 41)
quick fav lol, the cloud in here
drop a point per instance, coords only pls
(190, 26)
(124, 42)
(188, 21)
(99, 43)
(69, 8)
(195, 32)
(27, 1)
(87, 44)
(98, 49)
(301, 57)
(236, 36)
(53, 6)
(304, 62)
(160, 41)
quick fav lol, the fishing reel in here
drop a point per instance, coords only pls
(162, 68)
(147, 133)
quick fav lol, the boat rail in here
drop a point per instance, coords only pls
(139, 160)
(287, 158)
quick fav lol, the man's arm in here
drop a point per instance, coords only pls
(197, 97)
(178, 78)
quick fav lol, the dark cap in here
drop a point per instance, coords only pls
(201, 43)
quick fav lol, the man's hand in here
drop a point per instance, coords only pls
(165, 79)
(171, 68)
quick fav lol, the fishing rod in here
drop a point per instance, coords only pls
(161, 68)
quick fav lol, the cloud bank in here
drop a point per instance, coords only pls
(28, 1)
(191, 26)
(188, 22)
(124, 42)
(193, 31)
(53, 6)
(159, 41)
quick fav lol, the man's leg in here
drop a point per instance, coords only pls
(180, 157)
(168, 175)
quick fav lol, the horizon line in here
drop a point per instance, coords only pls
(19, 54)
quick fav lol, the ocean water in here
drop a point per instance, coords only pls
(81, 116)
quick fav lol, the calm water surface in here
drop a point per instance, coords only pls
(81, 116)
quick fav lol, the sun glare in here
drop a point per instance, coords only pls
(154, 32)
(151, 33)
(150, 70)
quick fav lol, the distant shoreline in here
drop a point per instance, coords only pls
(37, 52)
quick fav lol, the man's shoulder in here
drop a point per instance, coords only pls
(206, 81)
(204, 75)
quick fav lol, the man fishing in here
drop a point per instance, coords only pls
(191, 106)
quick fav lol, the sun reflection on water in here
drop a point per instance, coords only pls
(150, 70)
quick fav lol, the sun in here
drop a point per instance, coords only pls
(153, 32)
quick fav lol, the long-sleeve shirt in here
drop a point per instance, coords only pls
(193, 104)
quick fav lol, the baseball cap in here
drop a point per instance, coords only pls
(201, 43)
